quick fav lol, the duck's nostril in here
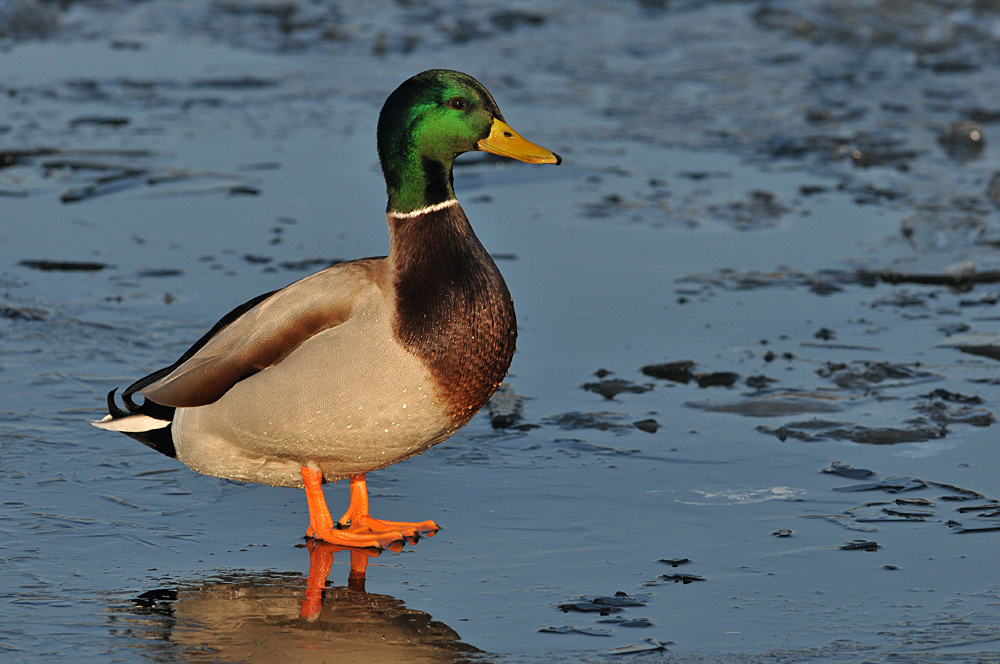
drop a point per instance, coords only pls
(507, 134)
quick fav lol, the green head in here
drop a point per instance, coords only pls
(428, 121)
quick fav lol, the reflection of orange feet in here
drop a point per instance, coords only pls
(356, 528)
(320, 561)
(359, 566)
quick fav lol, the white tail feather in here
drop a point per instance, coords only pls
(131, 424)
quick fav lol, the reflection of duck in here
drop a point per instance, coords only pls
(365, 363)
(263, 618)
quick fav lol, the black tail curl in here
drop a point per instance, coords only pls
(147, 407)
(113, 408)
(160, 439)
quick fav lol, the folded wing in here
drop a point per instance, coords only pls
(258, 335)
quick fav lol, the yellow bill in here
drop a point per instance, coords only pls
(506, 142)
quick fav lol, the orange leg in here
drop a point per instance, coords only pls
(321, 524)
(359, 520)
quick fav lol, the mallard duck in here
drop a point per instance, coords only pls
(367, 362)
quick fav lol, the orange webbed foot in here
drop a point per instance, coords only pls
(356, 528)
(360, 540)
(357, 518)
(411, 531)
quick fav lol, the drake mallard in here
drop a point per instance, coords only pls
(365, 363)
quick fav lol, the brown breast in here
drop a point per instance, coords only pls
(453, 309)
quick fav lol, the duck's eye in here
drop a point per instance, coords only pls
(456, 103)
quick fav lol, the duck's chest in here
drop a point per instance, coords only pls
(454, 312)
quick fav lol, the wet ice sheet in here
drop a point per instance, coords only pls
(607, 272)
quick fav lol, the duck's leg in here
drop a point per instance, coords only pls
(321, 524)
(359, 519)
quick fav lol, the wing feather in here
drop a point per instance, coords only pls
(260, 334)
